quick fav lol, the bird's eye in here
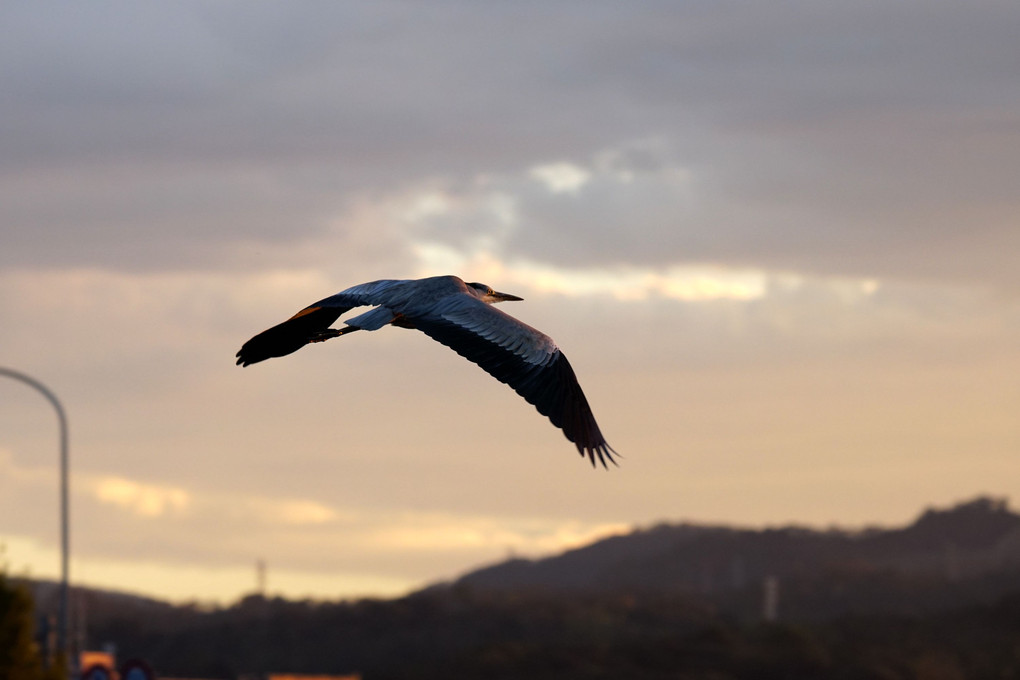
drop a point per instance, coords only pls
(490, 292)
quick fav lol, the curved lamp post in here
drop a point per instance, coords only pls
(62, 639)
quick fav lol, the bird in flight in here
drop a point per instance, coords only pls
(459, 315)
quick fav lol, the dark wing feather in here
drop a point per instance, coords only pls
(307, 325)
(551, 385)
(289, 336)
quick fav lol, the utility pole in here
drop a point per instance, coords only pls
(260, 578)
(770, 599)
(62, 637)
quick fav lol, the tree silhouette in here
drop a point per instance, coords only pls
(19, 654)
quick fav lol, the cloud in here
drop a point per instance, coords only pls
(303, 512)
(765, 235)
(690, 284)
(434, 532)
(155, 530)
(561, 177)
(145, 500)
(625, 206)
(840, 141)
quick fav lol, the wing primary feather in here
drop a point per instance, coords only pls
(309, 323)
(551, 387)
(289, 336)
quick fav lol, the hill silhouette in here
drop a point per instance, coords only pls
(969, 539)
(937, 598)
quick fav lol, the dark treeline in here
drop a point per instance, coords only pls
(463, 633)
(937, 599)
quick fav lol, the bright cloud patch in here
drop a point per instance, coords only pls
(687, 283)
(148, 500)
(561, 178)
(306, 512)
(145, 500)
(289, 512)
(434, 533)
(439, 532)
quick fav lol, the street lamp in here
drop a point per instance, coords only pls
(62, 640)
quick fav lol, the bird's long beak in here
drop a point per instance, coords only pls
(505, 297)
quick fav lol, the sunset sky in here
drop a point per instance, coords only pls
(779, 242)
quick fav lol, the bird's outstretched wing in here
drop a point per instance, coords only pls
(289, 336)
(522, 357)
(308, 324)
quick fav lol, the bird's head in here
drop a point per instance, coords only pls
(487, 294)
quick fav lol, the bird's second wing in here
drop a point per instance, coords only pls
(289, 336)
(302, 328)
(525, 359)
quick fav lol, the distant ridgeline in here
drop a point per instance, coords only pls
(976, 543)
(945, 588)
(664, 602)
(966, 554)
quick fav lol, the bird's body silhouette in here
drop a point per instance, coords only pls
(460, 316)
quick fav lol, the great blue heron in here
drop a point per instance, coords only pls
(458, 315)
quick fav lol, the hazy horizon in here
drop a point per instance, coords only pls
(778, 244)
(262, 573)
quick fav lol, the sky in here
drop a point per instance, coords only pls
(778, 242)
